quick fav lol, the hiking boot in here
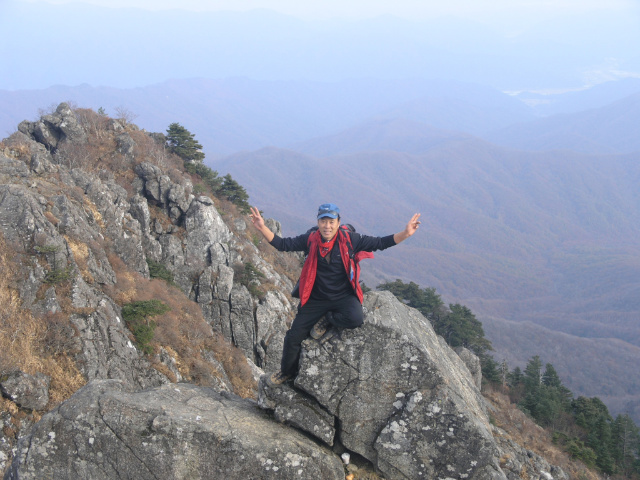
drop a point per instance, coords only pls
(331, 333)
(321, 327)
(277, 378)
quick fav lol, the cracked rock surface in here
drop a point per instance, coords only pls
(398, 395)
(176, 431)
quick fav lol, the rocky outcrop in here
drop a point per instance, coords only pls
(52, 130)
(176, 431)
(63, 223)
(390, 391)
(395, 393)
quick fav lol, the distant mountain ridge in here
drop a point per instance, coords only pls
(614, 128)
(546, 238)
(237, 114)
(240, 114)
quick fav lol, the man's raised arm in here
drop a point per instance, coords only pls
(258, 222)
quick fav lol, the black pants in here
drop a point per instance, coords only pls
(346, 313)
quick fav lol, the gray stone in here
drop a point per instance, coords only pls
(472, 362)
(69, 125)
(399, 398)
(300, 411)
(125, 145)
(175, 431)
(27, 391)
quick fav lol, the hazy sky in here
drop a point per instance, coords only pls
(508, 44)
(320, 9)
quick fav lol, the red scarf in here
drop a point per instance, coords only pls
(326, 247)
(309, 269)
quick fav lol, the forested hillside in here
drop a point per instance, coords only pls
(548, 238)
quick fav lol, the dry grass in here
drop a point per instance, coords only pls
(526, 433)
(25, 341)
(15, 148)
(32, 345)
(183, 331)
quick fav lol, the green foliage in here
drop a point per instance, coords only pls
(583, 426)
(545, 398)
(58, 275)
(461, 328)
(458, 325)
(426, 300)
(249, 276)
(625, 445)
(47, 249)
(490, 368)
(209, 176)
(182, 143)
(578, 450)
(235, 193)
(137, 317)
(158, 270)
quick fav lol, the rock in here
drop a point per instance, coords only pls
(11, 168)
(519, 462)
(472, 362)
(105, 431)
(27, 391)
(69, 125)
(300, 411)
(52, 130)
(125, 145)
(398, 397)
(107, 351)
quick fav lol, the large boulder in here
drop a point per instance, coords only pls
(398, 395)
(177, 431)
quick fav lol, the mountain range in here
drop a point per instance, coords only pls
(533, 230)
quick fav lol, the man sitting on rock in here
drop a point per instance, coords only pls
(330, 293)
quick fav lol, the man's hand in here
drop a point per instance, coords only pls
(409, 230)
(413, 225)
(258, 222)
(256, 218)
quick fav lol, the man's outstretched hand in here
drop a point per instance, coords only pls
(258, 222)
(409, 230)
(256, 218)
(413, 224)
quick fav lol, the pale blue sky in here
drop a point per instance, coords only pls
(509, 44)
(484, 9)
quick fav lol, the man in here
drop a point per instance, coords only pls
(330, 294)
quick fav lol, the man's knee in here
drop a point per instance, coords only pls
(349, 319)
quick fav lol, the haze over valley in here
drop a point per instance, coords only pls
(517, 140)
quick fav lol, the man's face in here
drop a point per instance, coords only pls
(328, 227)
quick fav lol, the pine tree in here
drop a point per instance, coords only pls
(625, 445)
(235, 193)
(182, 143)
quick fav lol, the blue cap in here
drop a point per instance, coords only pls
(328, 210)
